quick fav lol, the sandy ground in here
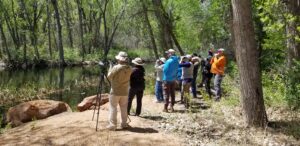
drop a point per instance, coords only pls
(77, 128)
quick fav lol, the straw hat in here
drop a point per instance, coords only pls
(122, 56)
(138, 61)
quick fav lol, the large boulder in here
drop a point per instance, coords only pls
(90, 101)
(37, 109)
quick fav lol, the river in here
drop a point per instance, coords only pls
(70, 84)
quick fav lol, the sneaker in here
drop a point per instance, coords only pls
(111, 128)
(125, 126)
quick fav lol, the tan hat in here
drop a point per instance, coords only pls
(122, 56)
(138, 61)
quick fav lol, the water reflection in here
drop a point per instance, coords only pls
(64, 84)
(69, 84)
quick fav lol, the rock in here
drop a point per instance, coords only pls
(87, 102)
(37, 109)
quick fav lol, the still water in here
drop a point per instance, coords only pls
(69, 84)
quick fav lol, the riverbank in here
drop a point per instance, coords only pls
(217, 124)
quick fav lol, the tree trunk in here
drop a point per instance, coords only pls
(49, 28)
(58, 25)
(11, 29)
(3, 37)
(32, 23)
(16, 28)
(293, 8)
(68, 19)
(79, 7)
(176, 43)
(165, 37)
(24, 48)
(150, 30)
(97, 39)
(90, 27)
(247, 59)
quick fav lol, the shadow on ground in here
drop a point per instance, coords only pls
(139, 130)
(154, 118)
(291, 128)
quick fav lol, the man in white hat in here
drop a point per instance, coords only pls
(119, 76)
(137, 85)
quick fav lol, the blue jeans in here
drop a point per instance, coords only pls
(159, 91)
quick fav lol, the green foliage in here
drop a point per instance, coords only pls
(293, 86)
(273, 88)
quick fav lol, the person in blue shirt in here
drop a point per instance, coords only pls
(169, 79)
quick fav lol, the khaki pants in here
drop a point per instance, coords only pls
(113, 103)
(185, 89)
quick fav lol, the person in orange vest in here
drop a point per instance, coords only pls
(218, 63)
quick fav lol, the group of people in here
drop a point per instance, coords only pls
(182, 72)
(171, 72)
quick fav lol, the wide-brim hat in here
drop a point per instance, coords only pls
(122, 56)
(138, 61)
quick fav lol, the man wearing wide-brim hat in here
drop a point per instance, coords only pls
(119, 76)
(137, 85)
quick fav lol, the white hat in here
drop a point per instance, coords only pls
(196, 59)
(138, 61)
(171, 51)
(188, 56)
(221, 50)
(184, 58)
(162, 59)
(122, 56)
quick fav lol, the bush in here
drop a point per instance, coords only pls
(293, 86)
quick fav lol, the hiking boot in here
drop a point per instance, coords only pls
(125, 126)
(111, 128)
(165, 110)
(171, 109)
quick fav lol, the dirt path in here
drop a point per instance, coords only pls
(79, 129)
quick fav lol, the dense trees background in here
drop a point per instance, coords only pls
(78, 30)
(31, 29)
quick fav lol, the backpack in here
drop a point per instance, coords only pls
(207, 65)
